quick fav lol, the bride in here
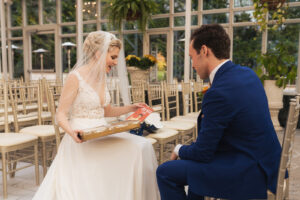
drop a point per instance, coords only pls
(117, 167)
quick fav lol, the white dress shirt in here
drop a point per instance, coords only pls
(211, 79)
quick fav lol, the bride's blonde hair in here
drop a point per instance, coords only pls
(95, 41)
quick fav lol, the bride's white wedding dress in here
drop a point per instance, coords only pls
(117, 167)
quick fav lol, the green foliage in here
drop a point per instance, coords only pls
(119, 10)
(261, 11)
(278, 64)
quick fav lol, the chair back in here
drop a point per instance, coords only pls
(197, 91)
(171, 98)
(4, 107)
(287, 148)
(138, 93)
(156, 98)
(187, 97)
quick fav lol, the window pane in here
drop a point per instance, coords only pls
(133, 44)
(16, 13)
(159, 23)
(158, 48)
(242, 3)
(18, 59)
(219, 18)
(243, 16)
(293, 12)
(89, 28)
(194, 5)
(32, 12)
(194, 20)
(246, 40)
(163, 6)
(107, 27)
(69, 54)
(208, 4)
(16, 33)
(46, 61)
(89, 10)
(179, 6)
(179, 21)
(178, 55)
(68, 11)
(68, 29)
(289, 34)
(49, 12)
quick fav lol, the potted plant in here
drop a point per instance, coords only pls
(129, 10)
(277, 10)
(139, 68)
(276, 67)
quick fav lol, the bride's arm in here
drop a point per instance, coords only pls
(111, 111)
(67, 98)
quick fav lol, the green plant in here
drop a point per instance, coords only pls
(143, 63)
(279, 65)
(276, 10)
(140, 10)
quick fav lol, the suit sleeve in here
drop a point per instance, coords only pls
(217, 114)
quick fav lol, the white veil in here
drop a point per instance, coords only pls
(95, 48)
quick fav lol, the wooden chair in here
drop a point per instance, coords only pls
(137, 93)
(282, 189)
(156, 99)
(185, 126)
(197, 93)
(11, 146)
(48, 136)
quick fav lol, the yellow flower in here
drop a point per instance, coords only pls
(151, 58)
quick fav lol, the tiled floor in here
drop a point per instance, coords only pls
(23, 187)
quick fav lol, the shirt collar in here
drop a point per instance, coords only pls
(213, 73)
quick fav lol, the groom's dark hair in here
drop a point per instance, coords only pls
(214, 37)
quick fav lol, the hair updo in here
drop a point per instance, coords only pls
(95, 40)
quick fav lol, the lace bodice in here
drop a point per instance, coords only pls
(87, 102)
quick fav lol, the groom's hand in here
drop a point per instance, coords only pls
(173, 156)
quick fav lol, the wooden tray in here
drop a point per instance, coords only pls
(109, 129)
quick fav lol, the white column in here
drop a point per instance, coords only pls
(79, 28)
(187, 41)
(298, 69)
(58, 48)
(3, 40)
(10, 51)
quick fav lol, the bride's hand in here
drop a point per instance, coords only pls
(75, 137)
(136, 106)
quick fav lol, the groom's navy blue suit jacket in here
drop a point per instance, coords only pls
(237, 152)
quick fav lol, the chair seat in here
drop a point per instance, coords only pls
(153, 141)
(163, 133)
(185, 118)
(40, 130)
(9, 139)
(157, 108)
(193, 114)
(10, 119)
(178, 125)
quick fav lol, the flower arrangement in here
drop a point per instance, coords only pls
(143, 63)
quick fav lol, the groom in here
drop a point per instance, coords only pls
(237, 152)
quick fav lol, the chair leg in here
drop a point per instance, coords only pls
(14, 166)
(36, 162)
(161, 154)
(44, 159)
(4, 175)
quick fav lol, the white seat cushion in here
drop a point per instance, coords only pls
(193, 114)
(178, 125)
(153, 141)
(40, 130)
(9, 139)
(185, 118)
(163, 133)
(111, 119)
(156, 108)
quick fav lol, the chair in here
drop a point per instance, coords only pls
(282, 189)
(48, 135)
(138, 93)
(156, 99)
(185, 126)
(11, 146)
(197, 94)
